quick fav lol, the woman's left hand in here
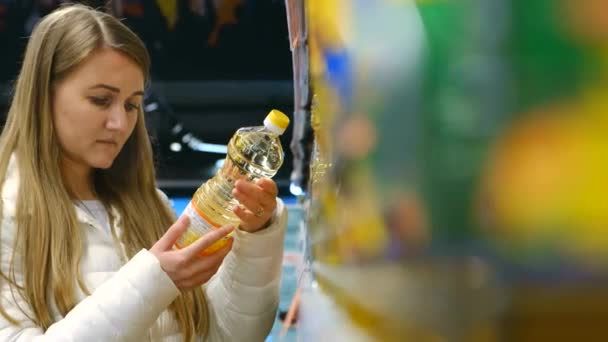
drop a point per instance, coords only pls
(258, 200)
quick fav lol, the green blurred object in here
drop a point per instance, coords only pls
(464, 102)
(544, 60)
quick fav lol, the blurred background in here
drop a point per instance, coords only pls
(446, 164)
(216, 66)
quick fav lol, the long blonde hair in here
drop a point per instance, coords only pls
(48, 233)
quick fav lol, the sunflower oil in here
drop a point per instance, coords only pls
(253, 152)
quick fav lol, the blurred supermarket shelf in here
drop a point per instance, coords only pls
(421, 300)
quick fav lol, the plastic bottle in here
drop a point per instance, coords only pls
(253, 152)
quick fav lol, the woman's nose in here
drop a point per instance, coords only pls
(117, 120)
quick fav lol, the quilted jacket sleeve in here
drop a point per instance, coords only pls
(244, 294)
(120, 309)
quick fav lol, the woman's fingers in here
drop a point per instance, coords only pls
(248, 218)
(250, 203)
(254, 195)
(209, 262)
(206, 241)
(202, 269)
(174, 232)
(269, 186)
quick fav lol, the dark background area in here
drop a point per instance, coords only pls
(209, 88)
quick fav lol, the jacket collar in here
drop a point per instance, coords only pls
(10, 190)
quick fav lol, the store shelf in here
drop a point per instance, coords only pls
(322, 319)
(421, 300)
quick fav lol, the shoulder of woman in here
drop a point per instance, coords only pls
(163, 197)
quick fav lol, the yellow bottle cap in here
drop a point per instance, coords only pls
(277, 121)
(278, 118)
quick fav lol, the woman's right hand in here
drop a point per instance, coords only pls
(185, 266)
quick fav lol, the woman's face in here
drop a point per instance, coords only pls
(95, 109)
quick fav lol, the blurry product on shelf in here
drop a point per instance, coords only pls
(225, 15)
(169, 10)
(458, 173)
(542, 198)
(464, 100)
(322, 193)
(370, 232)
(541, 205)
(363, 119)
(198, 7)
(253, 152)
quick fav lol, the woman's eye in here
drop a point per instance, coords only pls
(99, 101)
(131, 107)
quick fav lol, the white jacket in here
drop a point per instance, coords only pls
(129, 300)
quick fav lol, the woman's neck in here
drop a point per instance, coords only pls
(79, 180)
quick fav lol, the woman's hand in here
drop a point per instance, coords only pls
(258, 200)
(185, 266)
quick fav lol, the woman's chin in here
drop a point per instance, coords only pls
(103, 164)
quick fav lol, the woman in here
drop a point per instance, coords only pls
(80, 208)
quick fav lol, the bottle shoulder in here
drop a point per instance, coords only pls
(251, 129)
(256, 131)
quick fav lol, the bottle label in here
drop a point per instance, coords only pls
(199, 226)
